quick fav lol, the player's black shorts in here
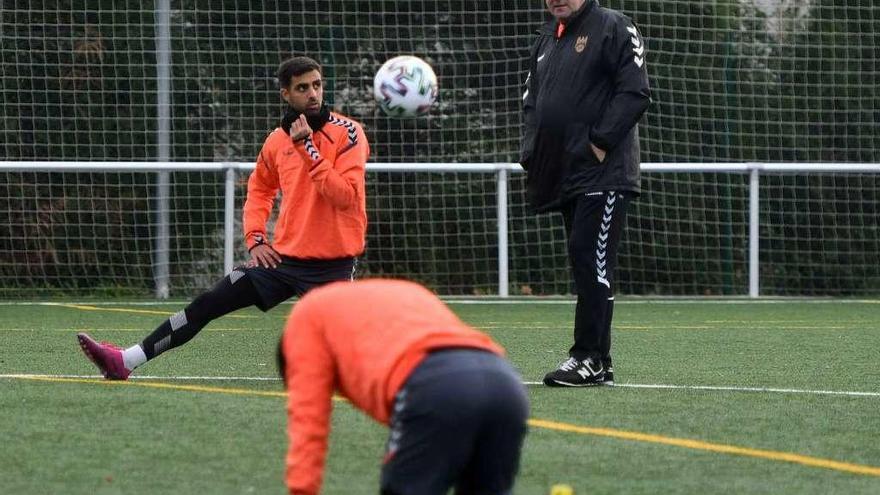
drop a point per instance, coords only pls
(458, 421)
(295, 277)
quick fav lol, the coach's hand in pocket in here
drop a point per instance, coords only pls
(599, 152)
(263, 255)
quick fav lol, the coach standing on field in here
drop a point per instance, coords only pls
(586, 90)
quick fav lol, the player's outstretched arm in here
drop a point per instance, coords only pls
(263, 187)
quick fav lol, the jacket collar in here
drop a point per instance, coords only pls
(316, 122)
(576, 19)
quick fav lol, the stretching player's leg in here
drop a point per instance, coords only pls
(226, 296)
(233, 292)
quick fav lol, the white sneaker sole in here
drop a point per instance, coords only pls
(579, 385)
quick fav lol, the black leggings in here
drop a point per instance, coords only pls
(233, 292)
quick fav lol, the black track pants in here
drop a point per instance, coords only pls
(593, 224)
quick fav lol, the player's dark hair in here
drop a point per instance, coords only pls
(281, 362)
(295, 66)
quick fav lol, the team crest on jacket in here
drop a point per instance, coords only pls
(581, 43)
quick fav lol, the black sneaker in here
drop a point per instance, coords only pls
(609, 372)
(573, 373)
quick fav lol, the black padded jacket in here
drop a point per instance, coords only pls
(589, 85)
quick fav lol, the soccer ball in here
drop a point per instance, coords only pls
(405, 86)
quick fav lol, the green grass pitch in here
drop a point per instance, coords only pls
(793, 436)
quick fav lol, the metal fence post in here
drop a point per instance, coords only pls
(161, 272)
(754, 230)
(503, 289)
(229, 221)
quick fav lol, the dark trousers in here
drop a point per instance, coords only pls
(458, 421)
(295, 277)
(593, 225)
(243, 287)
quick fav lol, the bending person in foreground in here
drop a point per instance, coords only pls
(456, 408)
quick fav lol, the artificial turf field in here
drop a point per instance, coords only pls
(771, 397)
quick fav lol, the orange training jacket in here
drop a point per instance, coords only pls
(323, 205)
(362, 339)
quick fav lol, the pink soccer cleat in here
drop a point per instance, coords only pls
(106, 356)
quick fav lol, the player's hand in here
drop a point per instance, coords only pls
(599, 152)
(300, 129)
(263, 255)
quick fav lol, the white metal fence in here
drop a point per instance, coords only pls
(501, 172)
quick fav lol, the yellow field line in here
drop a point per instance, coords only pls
(711, 447)
(191, 388)
(540, 423)
(135, 311)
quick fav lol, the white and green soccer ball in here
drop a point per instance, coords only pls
(405, 86)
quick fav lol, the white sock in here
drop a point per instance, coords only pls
(133, 357)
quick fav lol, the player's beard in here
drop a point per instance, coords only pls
(315, 121)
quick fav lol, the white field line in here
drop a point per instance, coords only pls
(666, 301)
(498, 301)
(705, 388)
(714, 388)
(752, 389)
(856, 325)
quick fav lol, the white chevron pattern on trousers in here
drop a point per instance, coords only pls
(235, 276)
(602, 241)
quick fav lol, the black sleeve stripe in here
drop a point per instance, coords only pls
(311, 150)
(350, 128)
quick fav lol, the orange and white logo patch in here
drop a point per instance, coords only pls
(581, 43)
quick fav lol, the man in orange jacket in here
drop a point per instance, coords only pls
(317, 159)
(457, 410)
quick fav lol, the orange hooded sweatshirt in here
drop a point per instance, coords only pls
(361, 339)
(323, 205)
